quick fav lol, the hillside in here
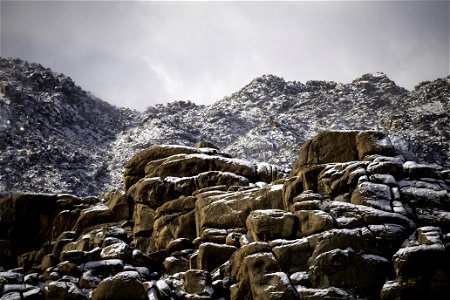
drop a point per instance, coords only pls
(58, 138)
(54, 135)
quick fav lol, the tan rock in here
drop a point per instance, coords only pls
(143, 220)
(374, 195)
(312, 221)
(346, 268)
(293, 255)
(185, 165)
(197, 282)
(373, 142)
(229, 210)
(64, 291)
(92, 216)
(135, 167)
(120, 205)
(64, 221)
(211, 255)
(265, 225)
(148, 191)
(174, 265)
(291, 188)
(124, 285)
(259, 277)
(174, 219)
(328, 147)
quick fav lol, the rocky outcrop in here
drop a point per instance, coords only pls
(354, 220)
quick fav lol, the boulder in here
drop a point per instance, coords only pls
(312, 221)
(173, 264)
(330, 293)
(328, 147)
(179, 245)
(143, 220)
(135, 167)
(94, 215)
(259, 277)
(342, 146)
(59, 290)
(185, 165)
(373, 194)
(173, 220)
(68, 268)
(421, 267)
(246, 250)
(362, 273)
(89, 280)
(198, 282)
(148, 191)
(109, 266)
(373, 142)
(64, 221)
(291, 188)
(392, 167)
(264, 225)
(10, 277)
(415, 170)
(22, 291)
(120, 251)
(164, 289)
(125, 285)
(293, 255)
(229, 210)
(211, 255)
(120, 205)
(214, 235)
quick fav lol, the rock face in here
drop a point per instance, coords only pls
(57, 138)
(353, 220)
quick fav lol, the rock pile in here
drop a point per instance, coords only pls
(354, 220)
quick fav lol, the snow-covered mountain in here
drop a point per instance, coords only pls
(56, 137)
(53, 135)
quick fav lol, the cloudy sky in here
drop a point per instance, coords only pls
(139, 53)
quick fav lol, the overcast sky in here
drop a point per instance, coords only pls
(139, 53)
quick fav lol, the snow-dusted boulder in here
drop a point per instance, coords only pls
(342, 146)
(135, 167)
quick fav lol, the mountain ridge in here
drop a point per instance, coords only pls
(267, 120)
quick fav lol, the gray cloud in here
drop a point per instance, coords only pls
(136, 54)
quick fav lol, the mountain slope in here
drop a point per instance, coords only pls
(54, 134)
(58, 138)
(270, 118)
(424, 119)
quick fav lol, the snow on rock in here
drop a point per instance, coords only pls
(59, 138)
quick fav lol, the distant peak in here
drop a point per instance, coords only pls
(269, 77)
(374, 77)
(264, 84)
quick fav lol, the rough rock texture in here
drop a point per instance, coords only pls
(354, 220)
